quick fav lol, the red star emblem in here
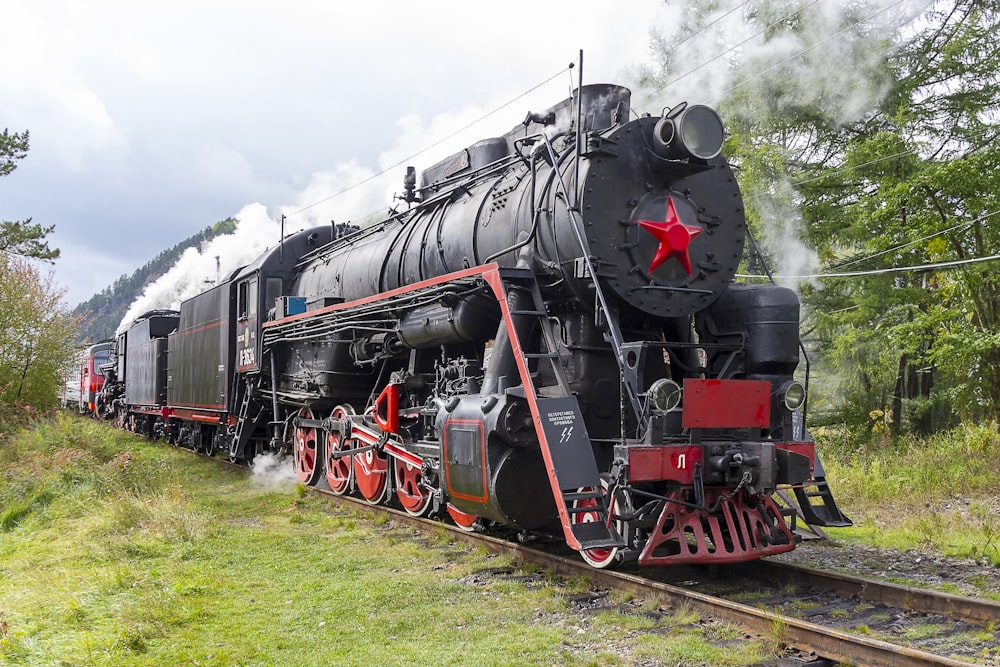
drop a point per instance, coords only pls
(674, 237)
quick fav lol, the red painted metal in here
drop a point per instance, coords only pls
(743, 528)
(490, 273)
(464, 521)
(306, 453)
(663, 462)
(192, 415)
(371, 472)
(387, 409)
(599, 558)
(392, 446)
(338, 468)
(371, 467)
(473, 272)
(726, 404)
(493, 279)
(413, 497)
(674, 237)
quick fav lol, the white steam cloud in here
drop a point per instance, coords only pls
(273, 472)
(201, 268)
(833, 61)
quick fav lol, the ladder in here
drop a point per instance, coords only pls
(825, 514)
(562, 433)
(245, 425)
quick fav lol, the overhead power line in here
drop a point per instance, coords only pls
(873, 272)
(921, 239)
(814, 46)
(730, 50)
(427, 148)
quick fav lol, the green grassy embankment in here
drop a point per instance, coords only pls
(941, 494)
(116, 551)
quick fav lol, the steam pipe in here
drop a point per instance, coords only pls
(579, 134)
(274, 398)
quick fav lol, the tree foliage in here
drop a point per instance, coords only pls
(21, 237)
(915, 184)
(36, 336)
(899, 201)
(13, 147)
(36, 332)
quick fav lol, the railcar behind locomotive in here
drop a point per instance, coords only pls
(549, 337)
(136, 389)
(91, 376)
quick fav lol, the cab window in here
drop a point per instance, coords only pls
(247, 299)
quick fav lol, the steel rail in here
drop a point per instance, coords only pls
(977, 611)
(830, 643)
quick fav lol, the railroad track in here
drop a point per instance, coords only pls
(674, 587)
(827, 643)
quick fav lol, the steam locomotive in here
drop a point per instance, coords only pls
(548, 337)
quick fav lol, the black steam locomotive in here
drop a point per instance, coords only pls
(548, 337)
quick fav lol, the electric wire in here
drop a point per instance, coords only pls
(841, 170)
(729, 50)
(875, 272)
(566, 69)
(711, 23)
(742, 83)
(814, 46)
(964, 225)
(433, 145)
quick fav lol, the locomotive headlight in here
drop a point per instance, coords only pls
(663, 395)
(793, 395)
(689, 131)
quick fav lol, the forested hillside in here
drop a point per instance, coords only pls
(101, 314)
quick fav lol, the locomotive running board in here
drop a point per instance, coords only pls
(559, 426)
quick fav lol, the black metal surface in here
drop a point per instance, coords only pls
(200, 354)
(145, 359)
(489, 476)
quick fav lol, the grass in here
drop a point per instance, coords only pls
(117, 551)
(938, 494)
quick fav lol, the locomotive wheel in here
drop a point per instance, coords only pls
(371, 475)
(208, 444)
(308, 452)
(467, 522)
(339, 469)
(600, 558)
(414, 498)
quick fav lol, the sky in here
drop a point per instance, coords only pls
(151, 121)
